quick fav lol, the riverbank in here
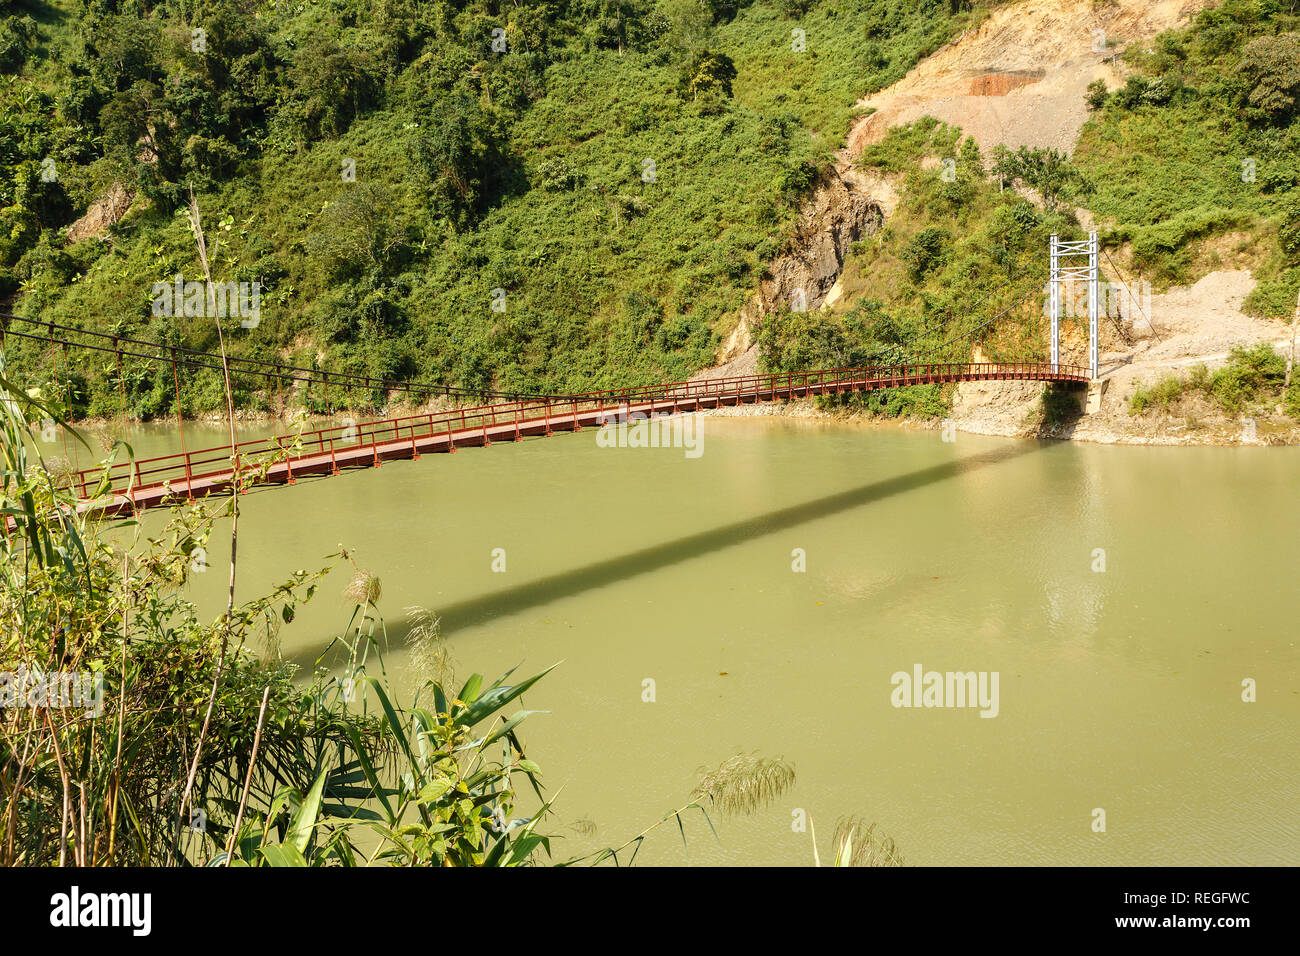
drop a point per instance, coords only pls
(993, 409)
(1017, 410)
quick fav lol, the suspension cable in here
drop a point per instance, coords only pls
(196, 359)
(1136, 299)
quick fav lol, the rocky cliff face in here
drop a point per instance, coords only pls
(803, 274)
(103, 213)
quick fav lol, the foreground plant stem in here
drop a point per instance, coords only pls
(196, 222)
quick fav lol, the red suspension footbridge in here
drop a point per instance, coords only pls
(123, 487)
(130, 486)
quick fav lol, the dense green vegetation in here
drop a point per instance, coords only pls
(580, 194)
(1253, 379)
(1205, 140)
(558, 195)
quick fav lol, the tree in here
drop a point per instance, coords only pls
(972, 160)
(706, 72)
(334, 85)
(1047, 171)
(688, 24)
(794, 341)
(615, 23)
(925, 252)
(1288, 233)
(1271, 65)
(359, 232)
(1097, 95)
(456, 154)
(17, 36)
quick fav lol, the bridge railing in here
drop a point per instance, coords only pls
(214, 464)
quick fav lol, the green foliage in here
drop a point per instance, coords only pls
(1158, 397)
(1216, 103)
(795, 181)
(911, 401)
(425, 788)
(793, 341)
(707, 72)
(1277, 296)
(1253, 376)
(330, 773)
(1097, 95)
(1047, 171)
(1250, 372)
(925, 252)
(1165, 246)
(611, 149)
(1141, 91)
(17, 37)
(1288, 234)
(958, 254)
(1271, 65)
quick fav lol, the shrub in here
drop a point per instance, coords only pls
(1249, 372)
(1048, 171)
(925, 252)
(1271, 65)
(1252, 375)
(186, 717)
(1097, 95)
(707, 72)
(1160, 396)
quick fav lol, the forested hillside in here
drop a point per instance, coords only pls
(559, 195)
(582, 193)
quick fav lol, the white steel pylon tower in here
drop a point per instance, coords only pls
(1071, 261)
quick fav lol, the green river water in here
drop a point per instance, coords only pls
(1118, 690)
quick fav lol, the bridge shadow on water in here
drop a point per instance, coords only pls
(498, 604)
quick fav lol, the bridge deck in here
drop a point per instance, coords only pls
(132, 486)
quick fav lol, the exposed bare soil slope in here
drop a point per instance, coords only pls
(1020, 77)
